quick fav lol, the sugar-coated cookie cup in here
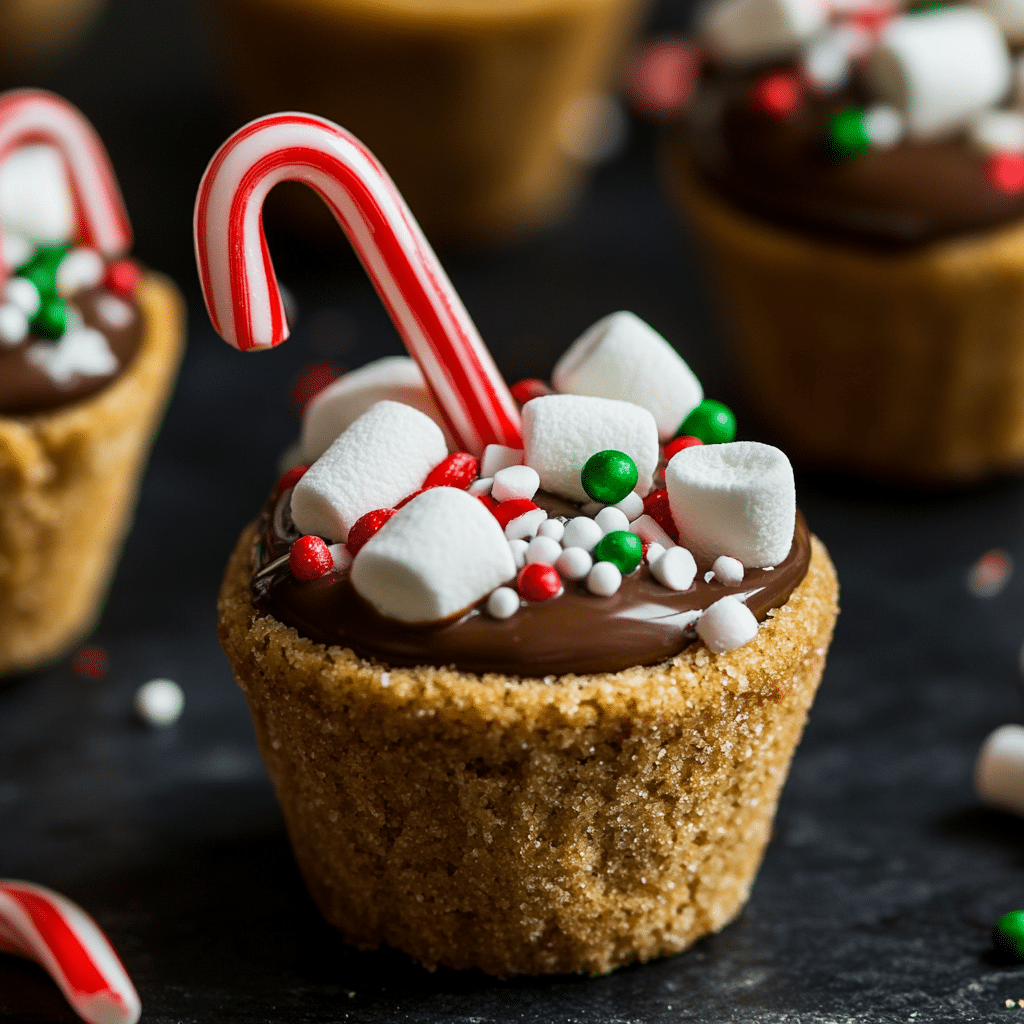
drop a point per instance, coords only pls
(529, 826)
(466, 102)
(68, 483)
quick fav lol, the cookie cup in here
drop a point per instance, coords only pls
(68, 483)
(529, 826)
(906, 367)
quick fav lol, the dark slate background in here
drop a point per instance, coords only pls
(884, 875)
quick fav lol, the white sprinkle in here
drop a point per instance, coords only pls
(631, 506)
(82, 351)
(80, 269)
(515, 482)
(543, 550)
(481, 486)
(883, 126)
(574, 563)
(582, 532)
(13, 325)
(342, 559)
(728, 570)
(519, 548)
(675, 569)
(611, 519)
(604, 579)
(503, 603)
(114, 312)
(525, 525)
(159, 702)
(21, 292)
(553, 528)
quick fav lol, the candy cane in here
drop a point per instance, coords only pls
(29, 115)
(241, 291)
(46, 927)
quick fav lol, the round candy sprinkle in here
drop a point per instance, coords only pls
(1008, 933)
(538, 582)
(21, 292)
(123, 278)
(365, 527)
(310, 558)
(574, 563)
(611, 518)
(884, 126)
(159, 702)
(13, 325)
(543, 550)
(676, 446)
(609, 476)
(528, 389)
(604, 579)
(1006, 172)
(848, 132)
(458, 470)
(777, 94)
(52, 319)
(290, 479)
(503, 603)
(712, 422)
(622, 548)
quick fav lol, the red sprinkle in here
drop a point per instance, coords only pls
(310, 558)
(405, 501)
(656, 506)
(310, 381)
(506, 511)
(489, 503)
(873, 20)
(1006, 172)
(122, 278)
(90, 663)
(458, 470)
(777, 94)
(537, 582)
(290, 479)
(661, 77)
(366, 526)
(676, 446)
(528, 388)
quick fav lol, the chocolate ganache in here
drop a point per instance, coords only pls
(642, 624)
(780, 168)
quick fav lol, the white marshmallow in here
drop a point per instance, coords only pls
(81, 352)
(999, 770)
(941, 68)
(503, 603)
(515, 482)
(497, 457)
(654, 552)
(561, 432)
(574, 563)
(604, 579)
(553, 528)
(998, 131)
(433, 559)
(35, 197)
(582, 532)
(525, 525)
(13, 324)
(341, 557)
(745, 31)
(543, 550)
(611, 519)
(382, 457)
(728, 570)
(648, 530)
(159, 702)
(675, 569)
(82, 268)
(481, 487)
(622, 357)
(337, 407)
(21, 292)
(631, 506)
(518, 548)
(738, 497)
(726, 625)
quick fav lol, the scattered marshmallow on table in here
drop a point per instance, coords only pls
(743, 31)
(728, 570)
(940, 69)
(380, 459)
(159, 702)
(726, 625)
(337, 407)
(433, 559)
(999, 769)
(497, 457)
(574, 563)
(561, 432)
(622, 357)
(675, 569)
(582, 532)
(738, 497)
(515, 482)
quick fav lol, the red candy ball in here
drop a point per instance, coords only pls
(506, 511)
(538, 582)
(310, 558)
(122, 278)
(777, 94)
(290, 479)
(529, 388)
(656, 506)
(366, 526)
(1006, 172)
(675, 446)
(458, 470)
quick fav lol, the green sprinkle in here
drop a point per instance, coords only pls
(848, 131)
(609, 476)
(622, 548)
(52, 319)
(1008, 933)
(713, 422)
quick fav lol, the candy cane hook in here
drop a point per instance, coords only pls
(30, 115)
(241, 290)
(59, 935)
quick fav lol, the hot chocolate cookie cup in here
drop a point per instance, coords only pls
(529, 826)
(907, 367)
(68, 483)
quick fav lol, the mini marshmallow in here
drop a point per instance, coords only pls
(382, 457)
(433, 559)
(998, 131)
(999, 769)
(342, 558)
(728, 570)
(553, 528)
(747, 31)
(515, 482)
(675, 569)
(561, 432)
(631, 506)
(940, 69)
(35, 196)
(115, 312)
(738, 497)
(81, 269)
(481, 487)
(543, 550)
(581, 532)
(604, 579)
(622, 357)
(518, 548)
(337, 407)
(81, 352)
(654, 552)
(503, 603)
(525, 525)
(21, 292)
(648, 530)
(574, 563)
(726, 625)
(13, 325)
(159, 702)
(497, 457)
(611, 519)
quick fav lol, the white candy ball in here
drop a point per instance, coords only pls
(574, 563)
(883, 126)
(604, 579)
(581, 532)
(728, 570)
(611, 519)
(503, 603)
(159, 702)
(515, 482)
(21, 292)
(675, 569)
(553, 528)
(519, 548)
(543, 550)
(13, 325)
(726, 625)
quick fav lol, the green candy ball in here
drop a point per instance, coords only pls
(609, 476)
(52, 319)
(848, 132)
(1008, 933)
(711, 421)
(42, 275)
(51, 254)
(622, 548)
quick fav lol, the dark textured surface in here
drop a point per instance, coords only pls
(884, 876)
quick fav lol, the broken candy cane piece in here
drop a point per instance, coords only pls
(433, 559)
(622, 357)
(382, 457)
(744, 31)
(46, 927)
(726, 625)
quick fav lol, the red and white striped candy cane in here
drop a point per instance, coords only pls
(241, 290)
(31, 115)
(44, 926)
